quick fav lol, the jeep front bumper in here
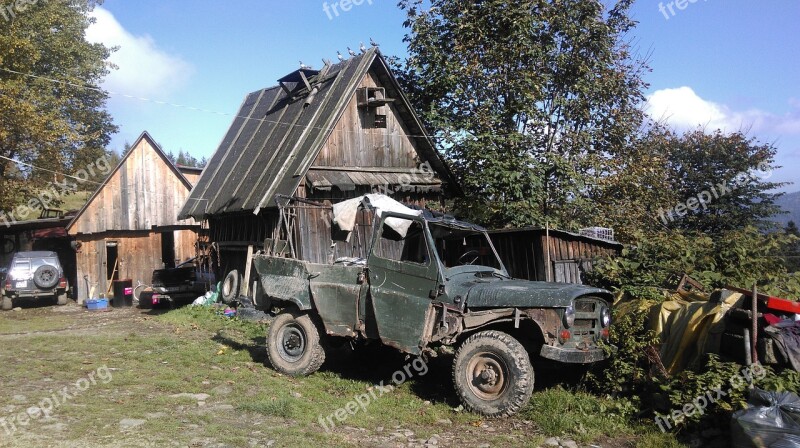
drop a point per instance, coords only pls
(571, 355)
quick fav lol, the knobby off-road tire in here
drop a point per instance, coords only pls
(492, 374)
(293, 344)
(230, 287)
(45, 277)
(7, 304)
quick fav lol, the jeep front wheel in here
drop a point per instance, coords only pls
(492, 374)
(293, 344)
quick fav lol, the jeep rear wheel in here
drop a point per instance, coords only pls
(293, 344)
(492, 374)
(7, 304)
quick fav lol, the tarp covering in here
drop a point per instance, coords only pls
(344, 213)
(688, 324)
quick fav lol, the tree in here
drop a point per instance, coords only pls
(720, 181)
(60, 126)
(529, 99)
(792, 251)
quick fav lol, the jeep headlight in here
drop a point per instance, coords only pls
(569, 316)
(605, 317)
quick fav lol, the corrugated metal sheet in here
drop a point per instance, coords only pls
(276, 136)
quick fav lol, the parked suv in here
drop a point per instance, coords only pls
(34, 275)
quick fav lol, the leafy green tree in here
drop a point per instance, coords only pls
(721, 182)
(60, 126)
(792, 251)
(529, 99)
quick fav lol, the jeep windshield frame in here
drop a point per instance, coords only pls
(463, 247)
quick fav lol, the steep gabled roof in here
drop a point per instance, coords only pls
(279, 131)
(144, 136)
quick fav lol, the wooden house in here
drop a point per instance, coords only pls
(534, 253)
(320, 136)
(129, 226)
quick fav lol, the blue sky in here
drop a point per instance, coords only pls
(730, 64)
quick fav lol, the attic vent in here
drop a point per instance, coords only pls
(372, 97)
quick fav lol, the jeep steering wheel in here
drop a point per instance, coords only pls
(470, 253)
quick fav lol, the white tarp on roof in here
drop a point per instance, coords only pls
(344, 213)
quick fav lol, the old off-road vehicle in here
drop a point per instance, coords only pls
(34, 275)
(431, 281)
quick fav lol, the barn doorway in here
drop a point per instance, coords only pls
(112, 261)
(168, 249)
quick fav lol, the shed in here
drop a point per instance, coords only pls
(129, 226)
(322, 136)
(524, 252)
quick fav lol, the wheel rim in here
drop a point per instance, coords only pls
(292, 343)
(487, 375)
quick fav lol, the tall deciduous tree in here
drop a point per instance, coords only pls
(60, 126)
(721, 182)
(529, 99)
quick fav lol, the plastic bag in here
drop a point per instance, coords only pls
(772, 420)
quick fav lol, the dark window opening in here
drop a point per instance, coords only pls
(168, 249)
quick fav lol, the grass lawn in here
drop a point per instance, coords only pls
(193, 378)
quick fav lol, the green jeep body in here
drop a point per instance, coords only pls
(437, 285)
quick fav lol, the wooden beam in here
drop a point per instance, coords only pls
(246, 286)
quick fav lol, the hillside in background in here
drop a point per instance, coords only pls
(789, 202)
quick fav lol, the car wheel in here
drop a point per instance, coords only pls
(45, 277)
(7, 304)
(293, 344)
(230, 286)
(492, 374)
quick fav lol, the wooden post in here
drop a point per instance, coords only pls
(754, 343)
(547, 248)
(248, 265)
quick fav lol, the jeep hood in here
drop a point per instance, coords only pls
(528, 294)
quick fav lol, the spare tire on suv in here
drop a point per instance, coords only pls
(46, 276)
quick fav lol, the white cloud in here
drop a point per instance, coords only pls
(683, 109)
(144, 69)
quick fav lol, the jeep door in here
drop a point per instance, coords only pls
(403, 275)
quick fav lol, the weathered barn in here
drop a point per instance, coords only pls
(534, 253)
(129, 226)
(321, 135)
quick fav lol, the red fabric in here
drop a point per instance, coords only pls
(53, 232)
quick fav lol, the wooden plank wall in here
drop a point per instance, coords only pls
(524, 254)
(139, 254)
(355, 142)
(144, 192)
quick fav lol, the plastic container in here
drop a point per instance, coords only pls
(123, 293)
(97, 304)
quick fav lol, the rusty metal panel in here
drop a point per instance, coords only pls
(285, 279)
